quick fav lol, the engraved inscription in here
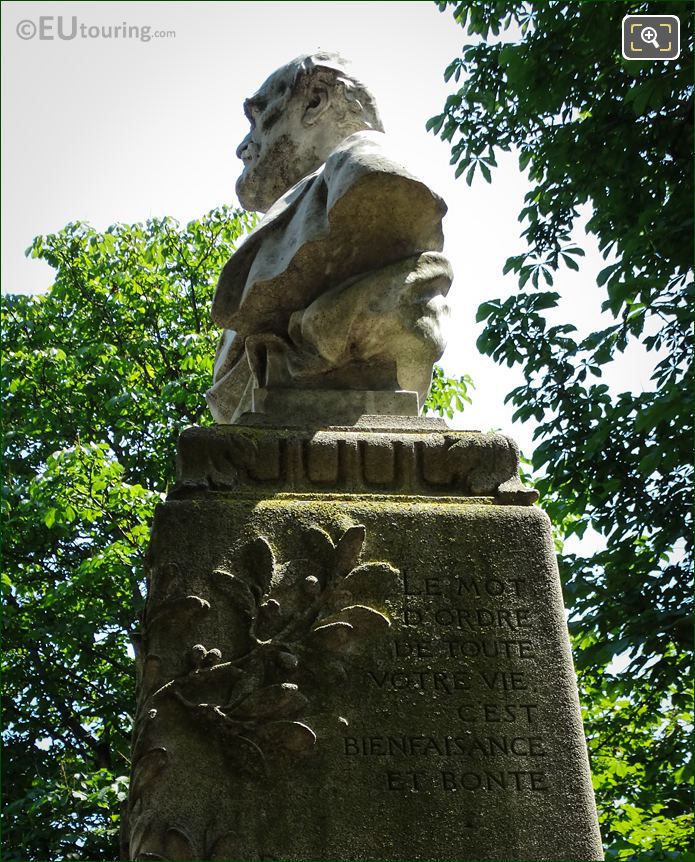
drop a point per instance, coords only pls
(465, 645)
(451, 746)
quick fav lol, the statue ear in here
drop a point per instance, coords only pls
(318, 101)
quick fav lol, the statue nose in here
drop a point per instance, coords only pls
(243, 146)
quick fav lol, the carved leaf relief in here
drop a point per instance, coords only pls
(304, 618)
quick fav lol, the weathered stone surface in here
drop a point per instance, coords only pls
(337, 664)
(342, 285)
(334, 678)
(410, 459)
(321, 407)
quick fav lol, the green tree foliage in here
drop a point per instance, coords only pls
(448, 395)
(595, 129)
(100, 375)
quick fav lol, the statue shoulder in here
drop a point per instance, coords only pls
(369, 154)
(365, 152)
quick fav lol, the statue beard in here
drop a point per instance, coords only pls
(273, 172)
(247, 190)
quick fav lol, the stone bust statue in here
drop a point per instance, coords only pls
(333, 305)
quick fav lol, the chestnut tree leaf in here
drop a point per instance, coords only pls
(362, 618)
(280, 700)
(372, 580)
(258, 561)
(348, 549)
(333, 636)
(237, 590)
(292, 736)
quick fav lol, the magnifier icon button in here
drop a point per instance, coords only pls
(648, 35)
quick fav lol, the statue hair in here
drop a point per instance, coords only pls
(355, 100)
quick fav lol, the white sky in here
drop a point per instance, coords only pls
(107, 130)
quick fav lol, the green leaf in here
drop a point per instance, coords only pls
(545, 300)
(94, 396)
(607, 143)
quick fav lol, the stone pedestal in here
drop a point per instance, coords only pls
(355, 648)
(310, 406)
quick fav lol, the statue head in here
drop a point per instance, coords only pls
(298, 116)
